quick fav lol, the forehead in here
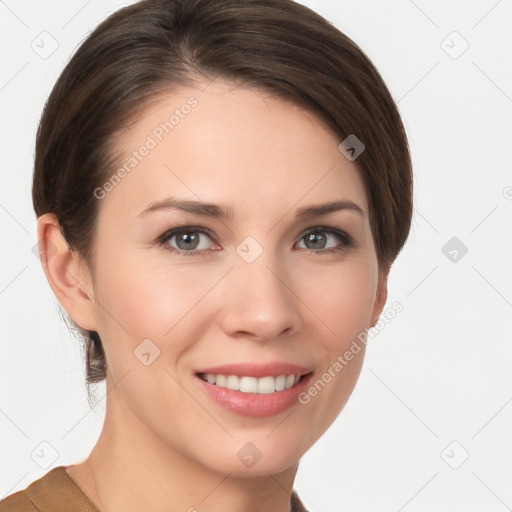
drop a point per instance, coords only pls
(234, 146)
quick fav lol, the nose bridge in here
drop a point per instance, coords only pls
(259, 300)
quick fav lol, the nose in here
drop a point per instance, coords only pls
(259, 299)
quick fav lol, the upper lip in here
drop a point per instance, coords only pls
(257, 369)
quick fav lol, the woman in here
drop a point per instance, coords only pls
(221, 189)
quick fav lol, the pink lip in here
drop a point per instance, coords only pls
(254, 405)
(257, 370)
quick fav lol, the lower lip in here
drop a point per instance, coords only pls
(254, 405)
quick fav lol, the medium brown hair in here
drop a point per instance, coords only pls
(158, 46)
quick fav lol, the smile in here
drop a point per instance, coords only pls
(247, 384)
(254, 390)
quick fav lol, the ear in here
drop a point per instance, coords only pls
(68, 276)
(381, 295)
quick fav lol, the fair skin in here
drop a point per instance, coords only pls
(166, 445)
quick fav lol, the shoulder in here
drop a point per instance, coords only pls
(296, 503)
(54, 491)
(17, 502)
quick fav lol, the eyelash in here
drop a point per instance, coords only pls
(346, 240)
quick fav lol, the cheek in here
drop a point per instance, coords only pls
(343, 305)
(342, 300)
(144, 298)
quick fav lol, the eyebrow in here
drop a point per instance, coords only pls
(213, 210)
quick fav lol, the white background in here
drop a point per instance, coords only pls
(439, 373)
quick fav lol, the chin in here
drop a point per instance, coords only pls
(254, 456)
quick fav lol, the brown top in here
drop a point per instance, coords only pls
(56, 491)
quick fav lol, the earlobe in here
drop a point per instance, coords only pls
(67, 276)
(381, 296)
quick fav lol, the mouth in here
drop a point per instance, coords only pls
(248, 384)
(254, 390)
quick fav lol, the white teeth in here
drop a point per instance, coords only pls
(266, 385)
(249, 384)
(233, 382)
(280, 382)
(262, 386)
(290, 381)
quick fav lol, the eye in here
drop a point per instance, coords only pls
(186, 241)
(189, 240)
(318, 238)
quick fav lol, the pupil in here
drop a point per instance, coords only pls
(315, 238)
(186, 241)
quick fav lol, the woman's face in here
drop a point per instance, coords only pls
(260, 287)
